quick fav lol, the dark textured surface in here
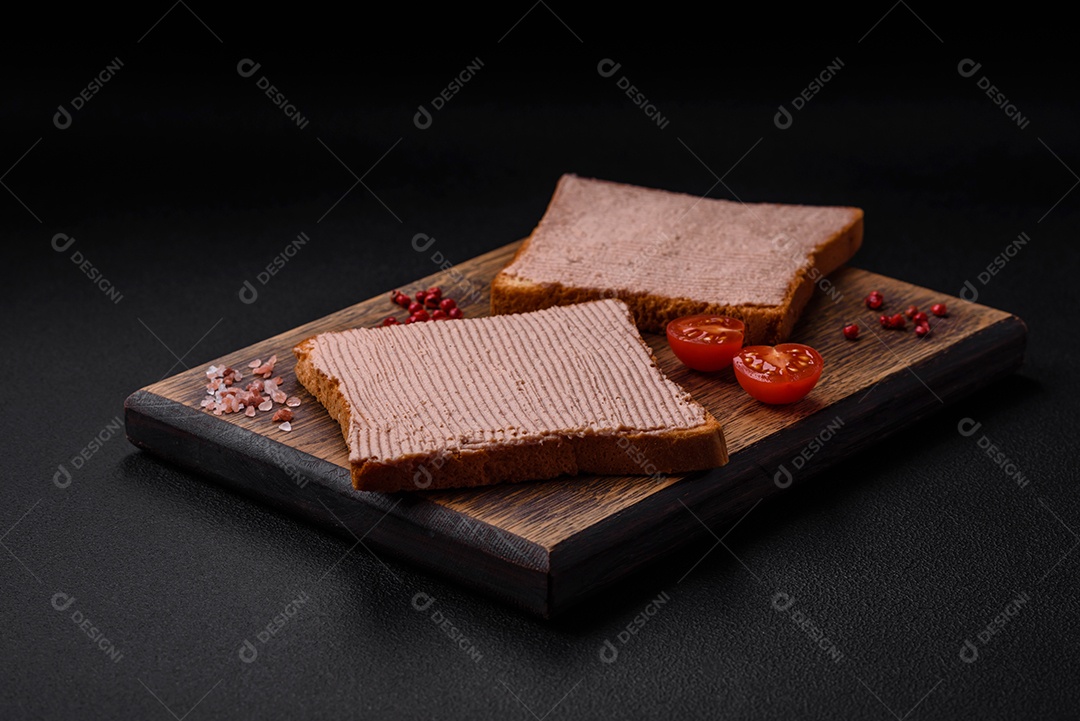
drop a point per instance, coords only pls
(179, 181)
(595, 530)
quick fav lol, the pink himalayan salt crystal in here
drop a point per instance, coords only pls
(227, 398)
(266, 369)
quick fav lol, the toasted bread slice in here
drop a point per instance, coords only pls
(511, 398)
(670, 254)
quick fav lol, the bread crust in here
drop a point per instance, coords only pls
(764, 324)
(678, 450)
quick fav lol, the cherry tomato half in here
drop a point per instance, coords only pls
(778, 374)
(705, 342)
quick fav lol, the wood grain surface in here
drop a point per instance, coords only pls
(546, 545)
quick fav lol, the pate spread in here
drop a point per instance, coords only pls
(602, 235)
(431, 388)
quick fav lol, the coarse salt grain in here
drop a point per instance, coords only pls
(226, 397)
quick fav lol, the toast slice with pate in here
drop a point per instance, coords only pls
(472, 402)
(670, 254)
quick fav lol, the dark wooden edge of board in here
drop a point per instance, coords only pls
(694, 507)
(526, 574)
(403, 524)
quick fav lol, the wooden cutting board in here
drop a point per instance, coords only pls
(545, 546)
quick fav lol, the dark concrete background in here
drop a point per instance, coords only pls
(179, 180)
